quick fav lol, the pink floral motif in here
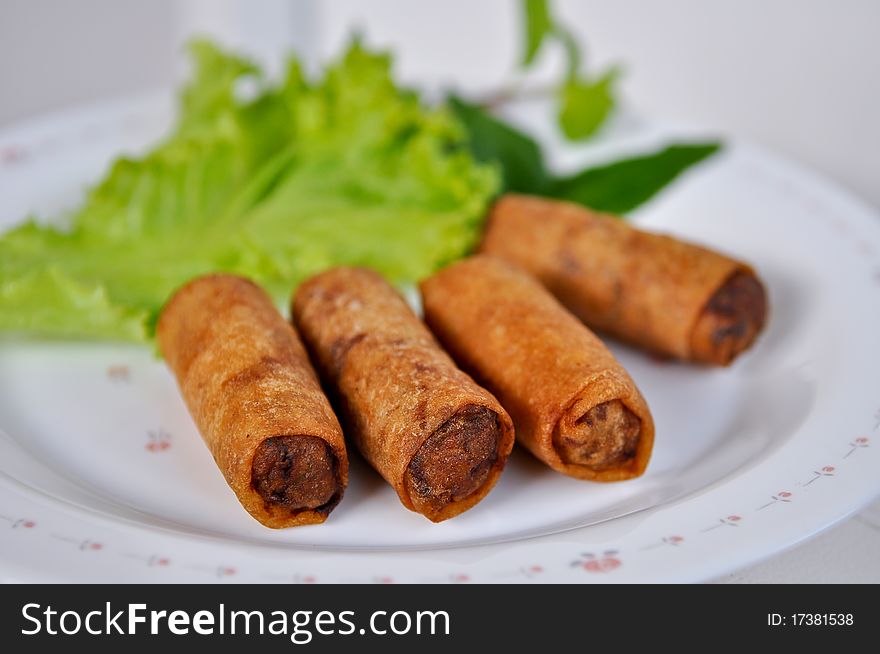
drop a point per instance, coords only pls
(527, 571)
(20, 523)
(459, 578)
(12, 154)
(673, 541)
(858, 443)
(865, 248)
(826, 471)
(296, 578)
(158, 440)
(219, 571)
(531, 571)
(118, 373)
(729, 521)
(383, 580)
(86, 545)
(607, 561)
(780, 497)
(152, 560)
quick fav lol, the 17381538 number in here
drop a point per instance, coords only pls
(810, 619)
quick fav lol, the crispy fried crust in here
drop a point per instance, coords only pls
(255, 399)
(574, 407)
(652, 290)
(436, 436)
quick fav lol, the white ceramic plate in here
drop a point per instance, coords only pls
(103, 476)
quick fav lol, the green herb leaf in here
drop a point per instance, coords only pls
(572, 52)
(584, 106)
(617, 187)
(584, 103)
(622, 186)
(494, 141)
(538, 24)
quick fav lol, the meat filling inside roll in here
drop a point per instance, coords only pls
(455, 460)
(732, 319)
(297, 473)
(604, 437)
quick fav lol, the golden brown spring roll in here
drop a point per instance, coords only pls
(654, 291)
(436, 436)
(573, 405)
(256, 400)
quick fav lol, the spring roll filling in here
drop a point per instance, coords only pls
(604, 437)
(455, 460)
(731, 320)
(297, 473)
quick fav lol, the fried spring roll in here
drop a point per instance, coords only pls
(573, 405)
(654, 291)
(256, 400)
(436, 436)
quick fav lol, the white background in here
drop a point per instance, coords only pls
(799, 76)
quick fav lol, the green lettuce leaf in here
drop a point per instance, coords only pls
(347, 169)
